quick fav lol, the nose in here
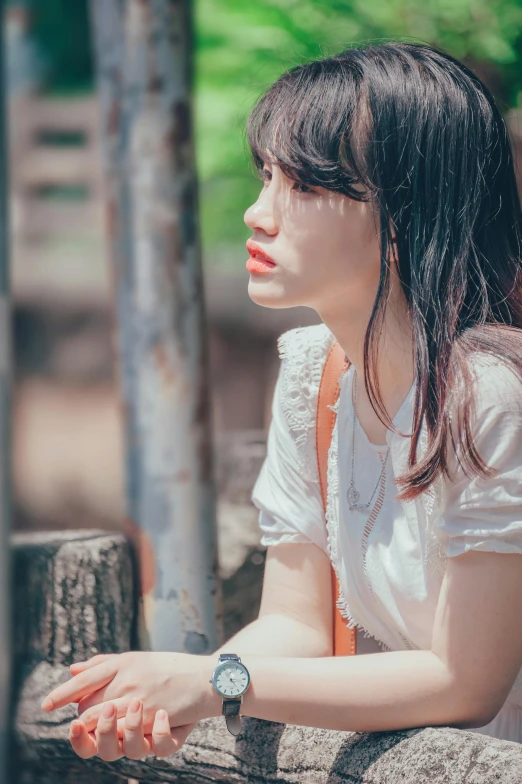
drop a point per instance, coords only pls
(260, 215)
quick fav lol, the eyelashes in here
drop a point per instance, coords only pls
(302, 185)
(266, 176)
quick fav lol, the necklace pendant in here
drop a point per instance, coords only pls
(353, 497)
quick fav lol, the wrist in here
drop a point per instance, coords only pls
(211, 701)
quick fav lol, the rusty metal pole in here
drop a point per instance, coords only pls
(144, 65)
(5, 436)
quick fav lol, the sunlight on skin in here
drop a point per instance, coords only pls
(325, 246)
(157, 677)
(78, 667)
(327, 251)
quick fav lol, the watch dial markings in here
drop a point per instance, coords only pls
(232, 681)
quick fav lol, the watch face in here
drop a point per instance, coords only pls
(230, 678)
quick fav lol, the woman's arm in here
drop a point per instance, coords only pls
(295, 614)
(276, 635)
(462, 681)
(364, 693)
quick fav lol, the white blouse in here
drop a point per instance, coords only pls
(390, 567)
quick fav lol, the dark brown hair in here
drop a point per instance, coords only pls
(423, 136)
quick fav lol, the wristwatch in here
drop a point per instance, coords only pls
(231, 679)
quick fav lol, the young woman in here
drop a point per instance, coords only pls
(389, 206)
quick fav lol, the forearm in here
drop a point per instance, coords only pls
(277, 635)
(364, 693)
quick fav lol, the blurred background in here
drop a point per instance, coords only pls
(68, 451)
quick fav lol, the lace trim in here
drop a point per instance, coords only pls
(369, 525)
(378, 565)
(332, 531)
(303, 351)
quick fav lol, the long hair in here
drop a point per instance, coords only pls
(423, 137)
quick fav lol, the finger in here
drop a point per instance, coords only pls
(168, 740)
(107, 693)
(95, 697)
(135, 745)
(80, 666)
(163, 744)
(83, 744)
(91, 716)
(109, 747)
(147, 726)
(121, 729)
(80, 685)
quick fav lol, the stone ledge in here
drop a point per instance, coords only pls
(268, 752)
(74, 598)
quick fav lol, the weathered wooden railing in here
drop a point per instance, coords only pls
(75, 596)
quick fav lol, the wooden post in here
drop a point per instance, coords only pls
(144, 65)
(5, 437)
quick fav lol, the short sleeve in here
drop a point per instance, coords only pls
(287, 496)
(486, 514)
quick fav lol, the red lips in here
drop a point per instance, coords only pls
(258, 253)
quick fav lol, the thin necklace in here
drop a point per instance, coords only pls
(352, 493)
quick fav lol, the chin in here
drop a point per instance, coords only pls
(269, 295)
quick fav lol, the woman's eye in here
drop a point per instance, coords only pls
(299, 185)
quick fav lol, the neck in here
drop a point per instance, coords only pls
(395, 363)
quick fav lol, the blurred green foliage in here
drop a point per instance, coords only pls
(242, 46)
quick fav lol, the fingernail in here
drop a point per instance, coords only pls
(47, 704)
(76, 729)
(108, 710)
(162, 714)
(134, 705)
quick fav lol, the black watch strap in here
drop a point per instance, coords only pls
(230, 711)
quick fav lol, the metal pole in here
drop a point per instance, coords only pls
(143, 53)
(5, 436)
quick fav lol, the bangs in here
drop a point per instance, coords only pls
(313, 123)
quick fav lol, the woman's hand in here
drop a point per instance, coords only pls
(133, 743)
(175, 682)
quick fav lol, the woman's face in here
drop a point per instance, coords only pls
(325, 245)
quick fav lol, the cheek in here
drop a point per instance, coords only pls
(338, 230)
(353, 248)
(340, 261)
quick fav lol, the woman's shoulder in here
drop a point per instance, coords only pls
(493, 399)
(496, 383)
(302, 351)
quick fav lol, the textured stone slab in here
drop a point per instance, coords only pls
(75, 597)
(269, 752)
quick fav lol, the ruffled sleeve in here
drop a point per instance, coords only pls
(287, 491)
(486, 514)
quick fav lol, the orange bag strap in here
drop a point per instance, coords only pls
(344, 639)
